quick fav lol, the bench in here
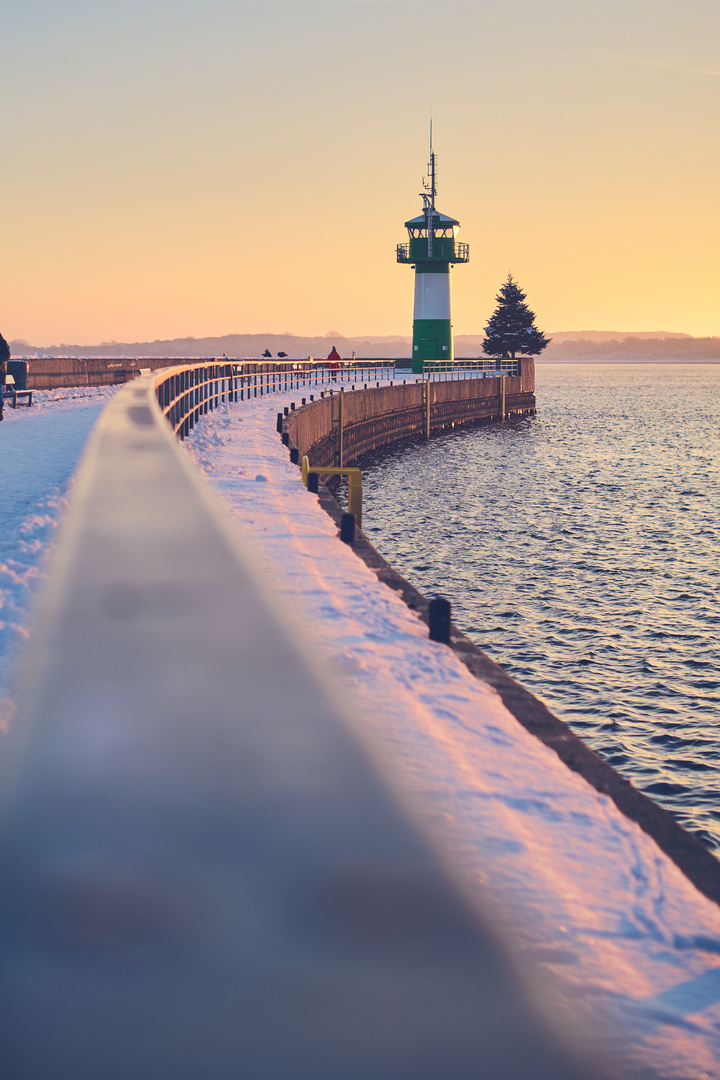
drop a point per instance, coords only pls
(11, 393)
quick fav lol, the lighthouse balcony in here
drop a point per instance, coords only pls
(442, 249)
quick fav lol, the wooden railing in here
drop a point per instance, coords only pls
(187, 392)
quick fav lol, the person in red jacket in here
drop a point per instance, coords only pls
(334, 361)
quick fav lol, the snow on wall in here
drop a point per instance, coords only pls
(621, 944)
(621, 947)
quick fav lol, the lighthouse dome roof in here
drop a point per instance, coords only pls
(439, 220)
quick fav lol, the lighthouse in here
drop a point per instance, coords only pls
(432, 248)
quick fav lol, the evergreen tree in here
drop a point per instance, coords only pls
(512, 327)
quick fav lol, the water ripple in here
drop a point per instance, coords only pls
(579, 549)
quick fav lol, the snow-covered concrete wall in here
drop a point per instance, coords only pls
(621, 947)
(206, 871)
(626, 950)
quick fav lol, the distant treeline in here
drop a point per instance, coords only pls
(635, 348)
(566, 348)
(229, 345)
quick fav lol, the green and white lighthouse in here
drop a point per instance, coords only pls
(432, 249)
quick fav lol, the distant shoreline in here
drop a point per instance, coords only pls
(589, 346)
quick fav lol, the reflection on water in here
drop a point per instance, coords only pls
(580, 549)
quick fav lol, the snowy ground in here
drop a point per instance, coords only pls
(39, 449)
(618, 938)
(619, 942)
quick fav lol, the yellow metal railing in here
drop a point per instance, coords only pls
(355, 485)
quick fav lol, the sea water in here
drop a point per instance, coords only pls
(581, 550)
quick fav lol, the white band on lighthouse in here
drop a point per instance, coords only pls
(432, 296)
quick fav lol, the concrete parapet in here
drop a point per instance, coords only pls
(53, 372)
(206, 872)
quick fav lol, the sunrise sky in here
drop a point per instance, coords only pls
(176, 167)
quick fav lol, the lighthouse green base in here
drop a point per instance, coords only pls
(432, 343)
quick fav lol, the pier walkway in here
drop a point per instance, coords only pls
(258, 825)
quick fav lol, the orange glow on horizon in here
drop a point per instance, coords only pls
(208, 173)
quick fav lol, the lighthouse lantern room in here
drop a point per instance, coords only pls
(432, 248)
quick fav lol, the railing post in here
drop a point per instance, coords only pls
(341, 417)
(355, 496)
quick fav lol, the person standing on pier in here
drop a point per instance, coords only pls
(333, 362)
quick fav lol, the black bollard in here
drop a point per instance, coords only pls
(313, 482)
(294, 455)
(286, 410)
(439, 611)
(347, 528)
(285, 438)
(279, 421)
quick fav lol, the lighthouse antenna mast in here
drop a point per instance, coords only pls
(433, 186)
(428, 195)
